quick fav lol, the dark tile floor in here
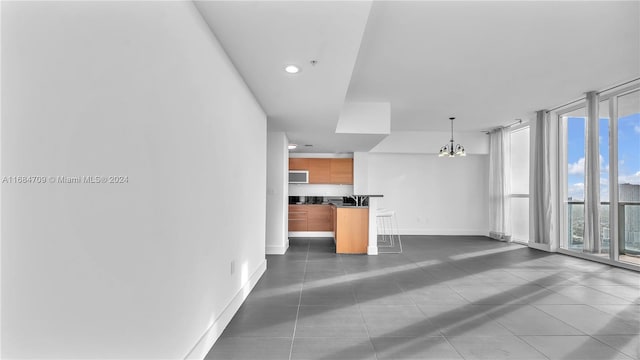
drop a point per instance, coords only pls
(444, 297)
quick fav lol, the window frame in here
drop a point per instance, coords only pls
(513, 129)
(612, 96)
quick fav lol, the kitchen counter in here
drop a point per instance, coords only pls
(352, 227)
(309, 204)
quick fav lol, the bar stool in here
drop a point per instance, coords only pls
(387, 224)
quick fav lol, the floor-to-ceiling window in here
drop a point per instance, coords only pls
(573, 123)
(618, 145)
(519, 181)
(628, 174)
(604, 125)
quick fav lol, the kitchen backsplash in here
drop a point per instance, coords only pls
(320, 190)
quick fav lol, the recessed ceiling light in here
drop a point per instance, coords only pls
(292, 69)
(292, 146)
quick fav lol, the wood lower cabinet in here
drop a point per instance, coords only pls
(297, 218)
(310, 218)
(319, 218)
(351, 230)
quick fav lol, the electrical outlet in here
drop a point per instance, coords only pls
(233, 267)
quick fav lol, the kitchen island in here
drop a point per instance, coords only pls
(352, 226)
(351, 229)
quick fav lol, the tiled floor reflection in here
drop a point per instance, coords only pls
(444, 297)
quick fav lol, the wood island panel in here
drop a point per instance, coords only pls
(352, 230)
(334, 215)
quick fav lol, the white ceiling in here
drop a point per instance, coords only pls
(486, 63)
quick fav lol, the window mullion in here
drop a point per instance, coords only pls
(613, 180)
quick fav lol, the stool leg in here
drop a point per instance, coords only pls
(390, 231)
(397, 229)
(384, 229)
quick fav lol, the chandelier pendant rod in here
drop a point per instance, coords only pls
(451, 150)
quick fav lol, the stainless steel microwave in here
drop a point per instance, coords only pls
(298, 176)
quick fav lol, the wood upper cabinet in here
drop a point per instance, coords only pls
(325, 170)
(341, 171)
(298, 164)
(319, 171)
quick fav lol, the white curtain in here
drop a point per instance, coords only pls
(499, 175)
(543, 182)
(592, 177)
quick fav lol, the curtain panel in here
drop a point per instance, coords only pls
(592, 177)
(543, 182)
(499, 187)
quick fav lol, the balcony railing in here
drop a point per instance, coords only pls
(629, 227)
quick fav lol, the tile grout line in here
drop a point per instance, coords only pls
(295, 324)
(615, 349)
(364, 323)
(615, 296)
(453, 347)
(592, 336)
(442, 334)
(531, 345)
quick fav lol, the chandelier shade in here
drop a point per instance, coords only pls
(450, 149)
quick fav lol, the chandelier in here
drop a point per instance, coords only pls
(451, 150)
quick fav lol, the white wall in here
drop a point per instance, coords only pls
(430, 142)
(433, 195)
(361, 173)
(135, 270)
(277, 240)
(320, 190)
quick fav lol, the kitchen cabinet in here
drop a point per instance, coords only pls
(341, 171)
(319, 218)
(297, 218)
(325, 170)
(298, 164)
(310, 218)
(319, 171)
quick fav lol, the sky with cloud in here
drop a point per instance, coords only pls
(628, 154)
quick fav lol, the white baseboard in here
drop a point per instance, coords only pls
(543, 247)
(446, 232)
(206, 341)
(276, 250)
(325, 234)
(372, 250)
